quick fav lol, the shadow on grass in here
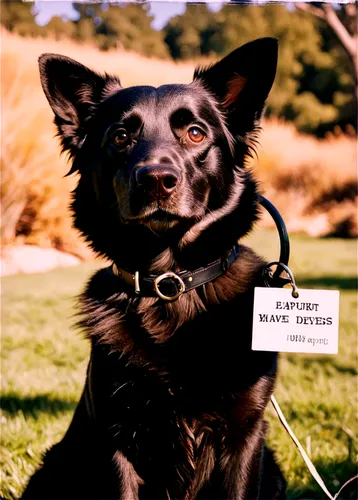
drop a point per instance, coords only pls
(33, 406)
(337, 282)
(325, 362)
(334, 475)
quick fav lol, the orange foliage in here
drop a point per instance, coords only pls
(309, 180)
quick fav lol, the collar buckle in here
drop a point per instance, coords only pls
(175, 278)
(136, 282)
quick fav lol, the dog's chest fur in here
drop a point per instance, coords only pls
(176, 382)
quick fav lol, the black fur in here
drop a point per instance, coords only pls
(178, 395)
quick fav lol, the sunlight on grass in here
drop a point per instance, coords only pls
(44, 363)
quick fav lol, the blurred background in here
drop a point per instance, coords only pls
(306, 163)
(307, 153)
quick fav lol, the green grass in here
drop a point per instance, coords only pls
(44, 361)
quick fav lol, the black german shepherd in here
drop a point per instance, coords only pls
(174, 401)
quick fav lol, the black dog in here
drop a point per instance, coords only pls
(174, 398)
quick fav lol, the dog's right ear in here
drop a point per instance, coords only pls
(73, 92)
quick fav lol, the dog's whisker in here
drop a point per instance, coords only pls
(152, 230)
(119, 388)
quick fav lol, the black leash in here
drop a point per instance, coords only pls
(281, 228)
(274, 279)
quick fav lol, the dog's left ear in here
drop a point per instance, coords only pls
(242, 81)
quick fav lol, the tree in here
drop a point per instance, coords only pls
(314, 82)
(343, 21)
(120, 26)
(18, 17)
(184, 33)
(317, 71)
(58, 29)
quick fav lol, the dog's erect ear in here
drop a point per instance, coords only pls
(242, 80)
(73, 92)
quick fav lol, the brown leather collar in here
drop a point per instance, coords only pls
(170, 286)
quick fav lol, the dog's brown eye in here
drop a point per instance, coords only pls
(121, 137)
(196, 135)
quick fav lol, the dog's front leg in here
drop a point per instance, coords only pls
(242, 466)
(129, 479)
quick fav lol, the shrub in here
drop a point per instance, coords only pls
(312, 181)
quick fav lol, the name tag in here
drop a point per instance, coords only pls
(309, 323)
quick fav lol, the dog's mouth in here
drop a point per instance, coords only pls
(158, 219)
(161, 215)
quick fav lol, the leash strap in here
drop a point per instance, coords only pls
(275, 279)
(281, 228)
(304, 455)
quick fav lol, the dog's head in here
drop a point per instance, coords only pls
(167, 160)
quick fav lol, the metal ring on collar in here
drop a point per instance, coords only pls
(266, 270)
(174, 276)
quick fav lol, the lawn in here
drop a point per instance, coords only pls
(44, 361)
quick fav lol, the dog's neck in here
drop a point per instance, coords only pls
(156, 255)
(163, 262)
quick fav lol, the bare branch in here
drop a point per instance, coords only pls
(350, 10)
(338, 27)
(349, 42)
(316, 11)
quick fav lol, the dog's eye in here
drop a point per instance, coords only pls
(121, 137)
(196, 135)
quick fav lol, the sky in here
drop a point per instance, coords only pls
(162, 11)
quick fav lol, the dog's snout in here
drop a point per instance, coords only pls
(158, 181)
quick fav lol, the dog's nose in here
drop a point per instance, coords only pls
(158, 181)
